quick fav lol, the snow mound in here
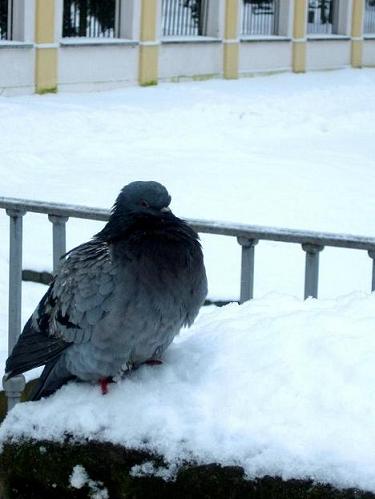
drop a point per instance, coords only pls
(278, 386)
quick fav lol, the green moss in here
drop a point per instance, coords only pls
(182, 78)
(262, 74)
(41, 470)
(203, 77)
(49, 90)
(150, 83)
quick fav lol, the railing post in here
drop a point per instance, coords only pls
(312, 269)
(14, 386)
(247, 268)
(372, 256)
(59, 238)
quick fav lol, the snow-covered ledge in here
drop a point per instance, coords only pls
(265, 38)
(327, 37)
(7, 44)
(95, 42)
(190, 39)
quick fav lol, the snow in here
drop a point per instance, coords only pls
(79, 478)
(278, 386)
(290, 382)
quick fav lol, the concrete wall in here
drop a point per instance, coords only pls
(16, 68)
(329, 53)
(101, 66)
(369, 52)
(260, 56)
(190, 59)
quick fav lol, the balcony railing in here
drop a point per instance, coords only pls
(260, 17)
(312, 243)
(369, 21)
(184, 17)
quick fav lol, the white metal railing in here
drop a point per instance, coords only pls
(247, 237)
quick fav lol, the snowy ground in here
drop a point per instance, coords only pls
(279, 386)
(289, 151)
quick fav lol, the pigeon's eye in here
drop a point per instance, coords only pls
(145, 204)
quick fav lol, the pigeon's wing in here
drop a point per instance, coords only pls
(77, 299)
(35, 347)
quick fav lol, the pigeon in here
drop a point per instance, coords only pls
(118, 300)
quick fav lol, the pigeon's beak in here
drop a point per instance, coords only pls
(165, 209)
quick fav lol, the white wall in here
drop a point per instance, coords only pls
(328, 54)
(16, 69)
(369, 52)
(265, 56)
(97, 67)
(190, 59)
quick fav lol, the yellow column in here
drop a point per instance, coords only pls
(46, 51)
(149, 44)
(231, 40)
(357, 32)
(299, 36)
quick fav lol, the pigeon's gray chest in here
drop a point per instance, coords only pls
(148, 309)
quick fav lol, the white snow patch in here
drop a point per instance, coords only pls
(278, 386)
(79, 478)
(149, 468)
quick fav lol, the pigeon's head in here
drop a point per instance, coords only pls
(137, 202)
(148, 198)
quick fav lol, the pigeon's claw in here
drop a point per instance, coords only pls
(104, 385)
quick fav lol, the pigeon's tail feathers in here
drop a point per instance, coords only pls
(33, 349)
(53, 377)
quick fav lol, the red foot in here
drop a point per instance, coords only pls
(153, 362)
(104, 385)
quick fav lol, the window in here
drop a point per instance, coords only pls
(323, 17)
(184, 17)
(369, 26)
(91, 18)
(6, 7)
(260, 17)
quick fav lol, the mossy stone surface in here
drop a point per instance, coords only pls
(41, 470)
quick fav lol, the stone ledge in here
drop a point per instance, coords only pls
(41, 470)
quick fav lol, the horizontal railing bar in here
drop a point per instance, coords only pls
(284, 235)
(62, 210)
(205, 226)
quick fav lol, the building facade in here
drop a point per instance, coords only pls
(81, 45)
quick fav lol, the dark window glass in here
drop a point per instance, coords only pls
(89, 18)
(5, 19)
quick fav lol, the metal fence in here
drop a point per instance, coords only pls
(312, 243)
(369, 21)
(260, 17)
(322, 17)
(6, 10)
(184, 17)
(90, 18)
